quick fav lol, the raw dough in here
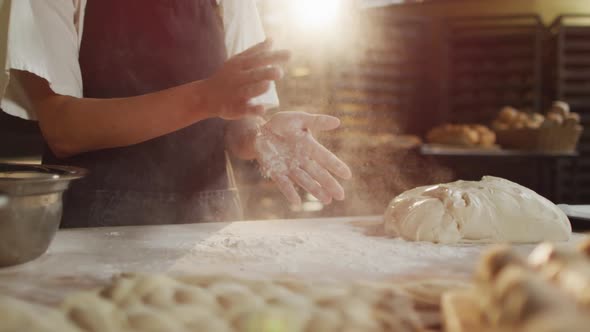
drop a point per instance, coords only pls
(490, 210)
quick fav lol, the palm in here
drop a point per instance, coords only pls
(289, 154)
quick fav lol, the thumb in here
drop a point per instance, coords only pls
(320, 122)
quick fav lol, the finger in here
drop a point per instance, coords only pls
(254, 90)
(265, 58)
(258, 75)
(287, 188)
(265, 45)
(324, 178)
(320, 122)
(327, 159)
(303, 179)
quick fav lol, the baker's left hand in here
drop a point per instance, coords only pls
(289, 154)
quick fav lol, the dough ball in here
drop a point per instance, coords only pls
(490, 210)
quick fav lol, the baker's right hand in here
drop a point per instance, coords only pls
(243, 77)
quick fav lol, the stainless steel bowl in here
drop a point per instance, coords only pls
(30, 208)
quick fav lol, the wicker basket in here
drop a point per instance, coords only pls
(554, 139)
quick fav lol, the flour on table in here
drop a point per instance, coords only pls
(333, 251)
(490, 210)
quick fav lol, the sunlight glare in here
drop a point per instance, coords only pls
(316, 13)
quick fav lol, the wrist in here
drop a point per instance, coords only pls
(198, 100)
(241, 136)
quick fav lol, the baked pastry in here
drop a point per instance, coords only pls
(568, 269)
(507, 115)
(572, 120)
(226, 304)
(510, 118)
(547, 292)
(553, 120)
(534, 121)
(464, 135)
(560, 107)
(487, 138)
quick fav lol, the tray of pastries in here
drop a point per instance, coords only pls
(463, 136)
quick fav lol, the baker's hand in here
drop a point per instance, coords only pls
(289, 154)
(243, 77)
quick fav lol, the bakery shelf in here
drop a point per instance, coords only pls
(578, 102)
(495, 70)
(387, 80)
(495, 101)
(499, 39)
(498, 53)
(369, 86)
(573, 75)
(493, 86)
(429, 149)
(370, 101)
(493, 61)
(577, 60)
(376, 73)
(570, 79)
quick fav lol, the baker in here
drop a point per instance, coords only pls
(148, 95)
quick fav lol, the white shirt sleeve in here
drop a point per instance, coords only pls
(243, 29)
(41, 37)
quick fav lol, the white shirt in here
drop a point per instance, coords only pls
(43, 37)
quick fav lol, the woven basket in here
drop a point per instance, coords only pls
(553, 139)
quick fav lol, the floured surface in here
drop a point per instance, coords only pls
(335, 248)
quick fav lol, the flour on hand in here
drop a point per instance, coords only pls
(490, 210)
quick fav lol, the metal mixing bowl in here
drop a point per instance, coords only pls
(30, 208)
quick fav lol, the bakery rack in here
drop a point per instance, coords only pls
(493, 61)
(385, 86)
(570, 81)
(383, 89)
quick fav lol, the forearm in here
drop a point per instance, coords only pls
(76, 125)
(240, 136)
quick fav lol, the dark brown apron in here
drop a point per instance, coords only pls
(133, 47)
